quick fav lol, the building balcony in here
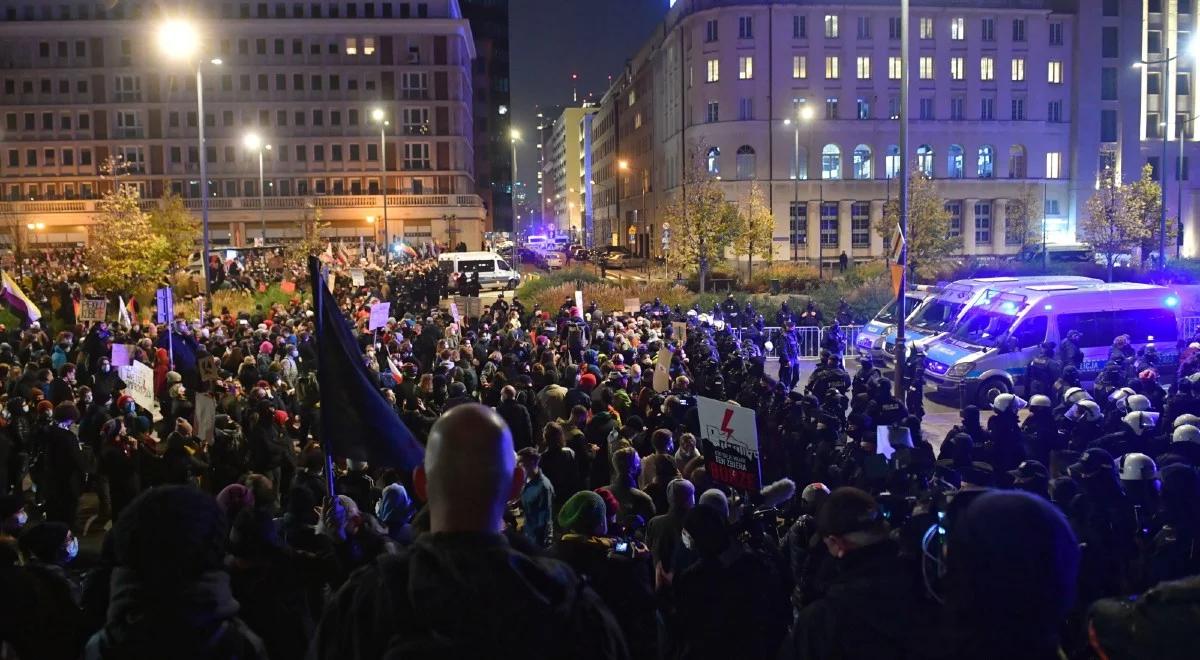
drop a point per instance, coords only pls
(251, 203)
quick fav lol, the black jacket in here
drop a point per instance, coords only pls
(871, 611)
(466, 596)
(517, 418)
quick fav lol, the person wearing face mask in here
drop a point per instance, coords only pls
(105, 381)
(13, 519)
(46, 621)
(65, 466)
(185, 348)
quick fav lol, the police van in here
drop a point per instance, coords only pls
(988, 350)
(869, 339)
(492, 269)
(938, 316)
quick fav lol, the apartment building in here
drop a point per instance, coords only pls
(84, 83)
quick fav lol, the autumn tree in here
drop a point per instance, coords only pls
(1143, 199)
(311, 242)
(125, 254)
(703, 223)
(929, 240)
(1023, 216)
(755, 230)
(178, 228)
(1115, 221)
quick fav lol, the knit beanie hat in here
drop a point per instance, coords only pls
(584, 513)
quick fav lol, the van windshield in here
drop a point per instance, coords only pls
(937, 316)
(888, 314)
(984, 325)
(504, 265)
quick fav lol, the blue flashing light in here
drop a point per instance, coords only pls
(1172, 301)
(1008, 307)
(1048, 307)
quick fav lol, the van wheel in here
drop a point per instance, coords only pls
(990, 389)
(512, 284)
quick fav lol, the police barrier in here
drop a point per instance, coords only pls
(1190, 325)
(809, 338)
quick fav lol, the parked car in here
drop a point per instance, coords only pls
(579, 253)
(619, 256)
(552, 259)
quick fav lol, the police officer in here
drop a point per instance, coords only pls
(1069, 353)
(789, 356)
(865, 378)
(1042, 372)
(811, 316)
(845, 315)
(784, 315)
(828, 377)
(833, 340)
(885, 408)
(730, 309)
(914, 371)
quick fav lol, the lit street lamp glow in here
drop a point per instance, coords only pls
(377, 114)
(252, 141)
(178, 39)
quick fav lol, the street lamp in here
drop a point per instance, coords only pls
(803, 116)
(380, 117)
(179, 40)
(253, 142)
(514, 136)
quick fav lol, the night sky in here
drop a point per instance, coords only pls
(550, 39)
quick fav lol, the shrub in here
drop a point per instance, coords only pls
(532, 288)
(792, 277)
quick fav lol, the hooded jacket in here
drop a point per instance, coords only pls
(466, 596)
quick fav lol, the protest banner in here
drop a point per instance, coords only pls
(633, 305)
(357, 277)
(92, 309)
(122, 355)
(164, 298)
(662, 370)
(729, 440)
(469, 306)
(139, 383)
(206, 417)
(379, 315)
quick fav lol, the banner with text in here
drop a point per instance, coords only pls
(139, 384)
(729, 442)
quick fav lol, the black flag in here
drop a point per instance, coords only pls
(356, 421)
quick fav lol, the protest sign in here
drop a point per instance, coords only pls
(206, 417)
(679, 330)
(633, 305)
(357, 277)
(92, 309)
(455, 314)
(469, 306)
(379, 315)
(122, 355)
(139, 383)
(729, 440)
(579, 302)
(287, 286)
(662, 370)
(164, 298)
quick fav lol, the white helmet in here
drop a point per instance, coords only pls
(1138, 402)
(1186, 433)
(1121, 394)
(1005, 402)
(1075, 395)
(1140, 421)
(1137, 467)
(1040, 401)
(1085, 409)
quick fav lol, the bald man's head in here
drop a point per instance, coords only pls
(470, 470)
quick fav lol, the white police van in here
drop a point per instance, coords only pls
(869, 339)
(492, 269)
(988, 350)
(939, 315)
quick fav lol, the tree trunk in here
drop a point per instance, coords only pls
(1109, 258)
(703, 272)
(750, 265)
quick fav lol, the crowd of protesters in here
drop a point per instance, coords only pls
(565, 506)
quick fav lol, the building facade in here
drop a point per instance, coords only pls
(493, 110)
(564, 167)
(1005, 107)
(85, 85)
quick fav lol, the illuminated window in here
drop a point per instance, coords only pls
(368, 45)
(926, 27)
(958, 29)
(987, 68)
(956, 68)
(351, 46)
(1054, 72)
(1053, 165)
(831, 26)
(831, 67)
(926, 68)
(799, 66)
(895, 66)
(714, 71)
(1018, 69)
(864, 67)
(745, 67)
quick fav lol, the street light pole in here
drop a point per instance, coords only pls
(378, 115)
(203, 177)
(513, 136)
(254, 143)
(1162, 212)
(901, 312)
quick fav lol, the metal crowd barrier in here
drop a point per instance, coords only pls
(808, 336)
(1189, 326)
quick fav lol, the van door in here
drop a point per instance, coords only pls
(1155, 327)
(486, 268)
(1028, 335)
(1095, 343)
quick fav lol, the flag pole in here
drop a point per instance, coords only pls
(314, 271)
